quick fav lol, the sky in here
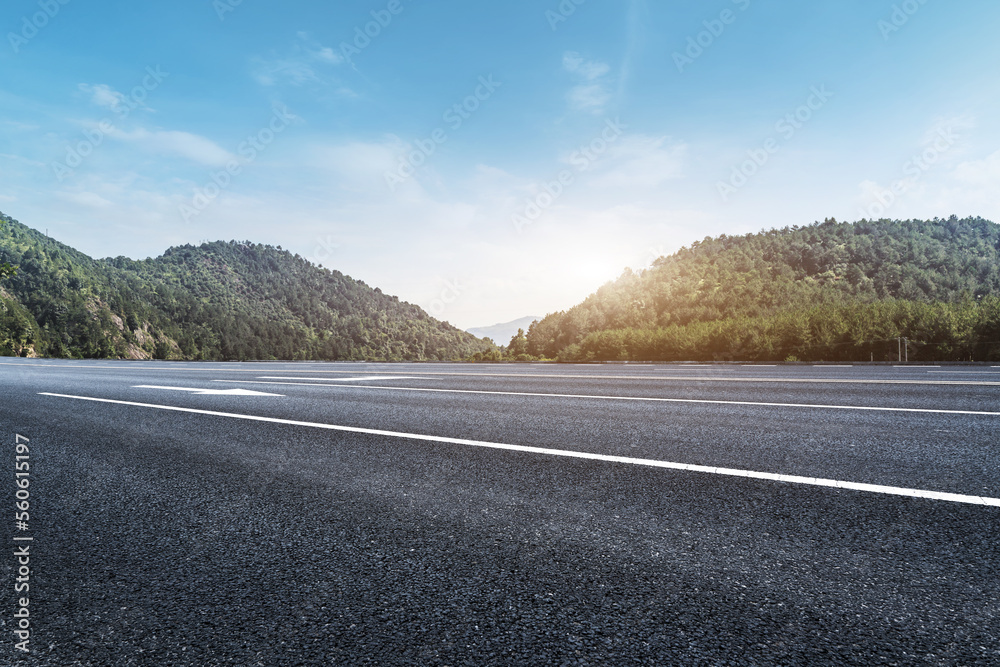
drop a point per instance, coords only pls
(490, 160)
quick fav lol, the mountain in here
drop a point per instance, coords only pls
(828, 291)
(502, 333)
(221, 301)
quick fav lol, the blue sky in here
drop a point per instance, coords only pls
(490, 160)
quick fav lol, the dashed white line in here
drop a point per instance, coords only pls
(313, 383)
(686, 467)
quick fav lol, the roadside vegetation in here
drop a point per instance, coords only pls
(829, 291)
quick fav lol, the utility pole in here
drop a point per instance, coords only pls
(906, 350)
(899, 345)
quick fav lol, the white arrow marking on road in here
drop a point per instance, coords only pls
(209, 392)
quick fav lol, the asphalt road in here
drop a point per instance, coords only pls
(490, 514)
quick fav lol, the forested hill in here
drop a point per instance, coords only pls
(833, 291)
(223, 300)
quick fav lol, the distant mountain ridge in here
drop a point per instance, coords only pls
(827, 291)
(221, 301)
(502, 333)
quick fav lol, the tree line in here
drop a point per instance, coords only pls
(219, 301)
(827, 291)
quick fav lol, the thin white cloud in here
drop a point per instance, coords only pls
(183, 144)
(27, 127)
(589, 97)
(288, 70)
(106, 97)
(935, 177)
(22, 160)
(361, 166)
(592, 93)
(574, 63)
(86, 199)
(980, 173)
(637, 162)
(297, 67)
(638, 19)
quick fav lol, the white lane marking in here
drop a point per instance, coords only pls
(532, 376)
(831, 366)
(970, 372)
(208, 392)
(687, 467)
(916, 367)
(312, 383)
(690, 378)
(361, 379)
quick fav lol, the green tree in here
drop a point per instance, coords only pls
(827, 291)
(6, 269)
(222, 300)
(518, 346)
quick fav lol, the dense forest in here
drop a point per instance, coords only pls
(828, 291)
(220, 301)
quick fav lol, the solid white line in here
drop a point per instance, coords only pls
(970, 372)
(362, 379)
(687, 467)
(830, 366)
(907, 366)
(690, 378)
(628, 398)
(532, 376)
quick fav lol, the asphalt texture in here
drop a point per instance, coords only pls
(181, 538)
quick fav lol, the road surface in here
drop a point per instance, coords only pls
(445, 514)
